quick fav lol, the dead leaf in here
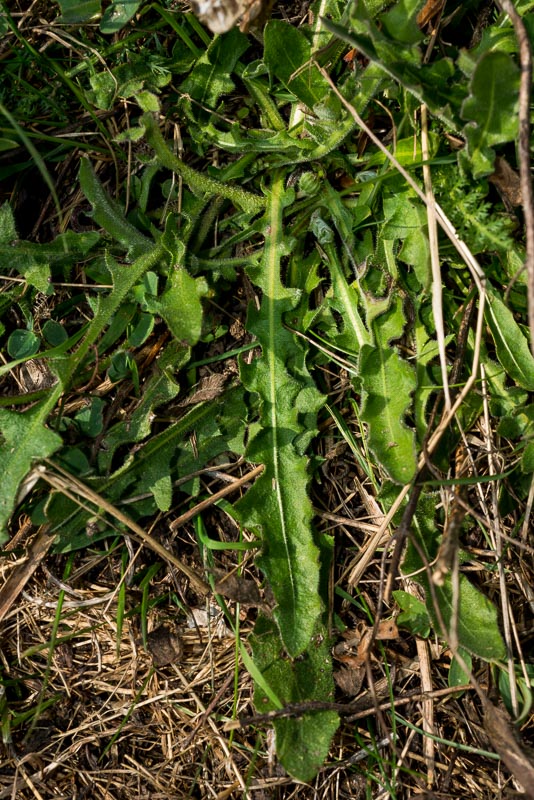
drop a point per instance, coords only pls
(165, 645)
(387, 629)
(207, 389)
(349, 680)
(498, 726)
(429, 12)
(507, 181)
(241, 590)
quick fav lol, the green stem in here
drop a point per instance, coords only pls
(247, 201)
(110, 304)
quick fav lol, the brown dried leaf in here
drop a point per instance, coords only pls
(207, 389)
(430, 10)
(239, 589)
(497, 725)
(349, 680)
(165, 645)
(507, 181)
(387, 629)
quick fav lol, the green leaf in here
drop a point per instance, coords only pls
(148, 101)
(511, 343)
(477, 626)
(522, 696)
(343, 297)
(158, 390)
(210, 78)
(23, 344)
(458, 676)
(76, 11)
(405, 219)
(8, 231)
(414, 616)
(23, 440)
(302, 744)
(287, 54)
(90, 419)
(199, 183)
(387, 386)
(104, 86)
(492, 108)
(117, 15)
(431, 84)
(144, 326)
(278, 504)
(54, 333)
(474, 617)
(401, 22)
(527, 459)
(163, 458)
(34, 261)
(109, 215)
(180, 305)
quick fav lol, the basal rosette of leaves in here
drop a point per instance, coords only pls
(336, 247)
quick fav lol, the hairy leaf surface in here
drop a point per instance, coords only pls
(302, 744)
(388, 382)
(278, 503)
(23, 440)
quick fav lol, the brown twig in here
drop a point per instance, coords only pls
(357, 709)
(204, 504)
(23, 572)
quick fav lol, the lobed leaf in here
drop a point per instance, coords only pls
(387, 386)
(278, 504)
(302, 743)
(109, 214)
(180, 305)
(23, 440)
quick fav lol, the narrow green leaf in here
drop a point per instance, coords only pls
(198, 182)
(343, 297)
(511, 344)
(124, 279)
(109, 214)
